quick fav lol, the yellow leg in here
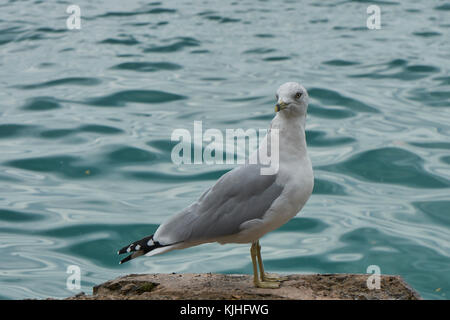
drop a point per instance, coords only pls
(264, 276)
(260, 283)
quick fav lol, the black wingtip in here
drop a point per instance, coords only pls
(124, 250)
(128, 258)
(132, 246)
(139, 248)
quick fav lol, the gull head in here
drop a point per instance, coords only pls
(292, 100)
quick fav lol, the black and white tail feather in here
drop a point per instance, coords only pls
(139, 248)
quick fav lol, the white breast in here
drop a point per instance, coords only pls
(295, 174)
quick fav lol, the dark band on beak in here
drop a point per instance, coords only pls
(280, 106)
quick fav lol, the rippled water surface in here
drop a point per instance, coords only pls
(86, 118)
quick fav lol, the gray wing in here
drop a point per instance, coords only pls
(240, 195)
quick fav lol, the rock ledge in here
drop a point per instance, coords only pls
(237, 287)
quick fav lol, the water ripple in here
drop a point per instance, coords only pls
(42, 104)
(179, 44)
(126, 41)
(61, 165)
(120, 99)
(147, 66)
(330, 97)
(135, 13)
(389, 165)
(80, 81)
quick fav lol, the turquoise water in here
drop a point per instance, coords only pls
(86, 118)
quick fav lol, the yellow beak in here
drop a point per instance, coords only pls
(280, 106)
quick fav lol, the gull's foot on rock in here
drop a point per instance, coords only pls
(273, 278)
(267, 284)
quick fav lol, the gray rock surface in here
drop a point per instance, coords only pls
(235, 287)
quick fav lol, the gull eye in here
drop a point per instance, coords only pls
(298, 95)
(276, 96)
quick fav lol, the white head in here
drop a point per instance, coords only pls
(292, 100)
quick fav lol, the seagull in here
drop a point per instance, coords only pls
(244, 204)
